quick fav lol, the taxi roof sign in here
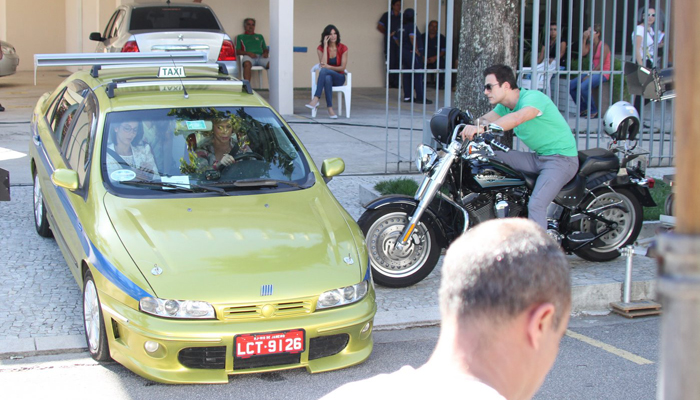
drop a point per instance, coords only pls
(171, 72)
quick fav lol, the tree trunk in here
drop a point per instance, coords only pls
(489, 35)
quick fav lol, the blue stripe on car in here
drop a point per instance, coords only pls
(96, 258)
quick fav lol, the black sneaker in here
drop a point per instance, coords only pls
(2, 108)
(426, 101)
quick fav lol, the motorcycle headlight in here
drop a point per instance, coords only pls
(344, 295)
(186, 309)
(425, 158)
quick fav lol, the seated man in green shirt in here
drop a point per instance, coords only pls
(251, 47)
(538, 123)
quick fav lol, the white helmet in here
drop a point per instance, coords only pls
(621, 121)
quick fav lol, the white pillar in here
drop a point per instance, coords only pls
(281, 71)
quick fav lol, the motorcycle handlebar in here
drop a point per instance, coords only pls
(489, 139)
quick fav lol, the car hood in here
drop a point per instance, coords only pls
(181, 41)
(223, 249)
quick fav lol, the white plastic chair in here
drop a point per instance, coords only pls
(345, 90)
(254, 69)
(525, 77)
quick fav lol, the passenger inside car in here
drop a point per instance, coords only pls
(219, 148)
(126, 150)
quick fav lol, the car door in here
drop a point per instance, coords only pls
(61, 118)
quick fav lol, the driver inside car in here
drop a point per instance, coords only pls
(222, 145)
(126, 150)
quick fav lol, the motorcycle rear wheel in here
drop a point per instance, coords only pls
(629, 224)
(392, 267)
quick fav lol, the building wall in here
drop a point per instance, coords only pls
(64, 26)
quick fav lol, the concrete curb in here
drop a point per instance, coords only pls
(27, 347)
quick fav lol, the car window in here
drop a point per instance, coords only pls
(110, 25)
(173, 18)
(187, 146)
(66, 108)
(117, 24)
(79, 141)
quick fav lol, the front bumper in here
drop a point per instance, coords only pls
(210, 342)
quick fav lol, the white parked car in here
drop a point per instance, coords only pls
(8, 59)
(167, 27)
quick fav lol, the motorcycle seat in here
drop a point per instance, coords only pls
(594, 160)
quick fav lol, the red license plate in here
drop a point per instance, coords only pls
(258, 344)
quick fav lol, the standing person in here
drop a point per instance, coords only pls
(645, 42)
(505, 299)
(333, 57)
(554, 42)
(436, 50)
(591, 81)
(540, 126)
(411, 58)
(252, 49)
(388, 24)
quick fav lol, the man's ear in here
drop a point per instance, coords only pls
(541, 319)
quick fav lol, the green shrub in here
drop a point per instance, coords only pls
(397, 186)
(659, 193)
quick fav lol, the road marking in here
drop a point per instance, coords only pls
(7, 154)
(610, 349)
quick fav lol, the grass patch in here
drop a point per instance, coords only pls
(659, 193)
(397, 186)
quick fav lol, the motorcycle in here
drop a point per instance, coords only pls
(594, 215)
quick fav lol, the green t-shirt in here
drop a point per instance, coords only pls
(546, 134)
(254, 43)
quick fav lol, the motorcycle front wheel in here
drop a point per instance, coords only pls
(392, 267)
(628, 216)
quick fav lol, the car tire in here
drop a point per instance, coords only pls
(93, 321)
(41, 221)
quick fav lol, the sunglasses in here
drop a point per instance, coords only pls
(128, 128)
(652, 15)
(489, 86)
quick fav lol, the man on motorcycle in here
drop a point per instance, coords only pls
(538, 123)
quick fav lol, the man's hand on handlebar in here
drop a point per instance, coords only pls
(470, 131)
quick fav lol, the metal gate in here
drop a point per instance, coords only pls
(406, 123)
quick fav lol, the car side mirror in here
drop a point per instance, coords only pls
(332, 167)
(65, 178)
(96, 36)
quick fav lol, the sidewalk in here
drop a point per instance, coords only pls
(42, 310)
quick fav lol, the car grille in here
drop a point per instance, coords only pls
(252, 311)
(325, 346)
(268, 360)
(203, 357)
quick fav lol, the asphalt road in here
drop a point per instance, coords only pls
(600, 358)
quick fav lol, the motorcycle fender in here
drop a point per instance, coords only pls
(641, 192)
(409, 204)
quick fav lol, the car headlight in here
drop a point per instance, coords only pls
(344, 295)
(425, 158)
(186, 309)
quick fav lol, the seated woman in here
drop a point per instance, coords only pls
(333, 57)
(592, 81)
(125, 149)
(553, 43)
(222, 145)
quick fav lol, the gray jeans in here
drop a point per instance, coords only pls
(553, 173)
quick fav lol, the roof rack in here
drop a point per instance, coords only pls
(219, 67)
(232, 83)
(77, 59)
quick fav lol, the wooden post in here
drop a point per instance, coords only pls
(679, 263)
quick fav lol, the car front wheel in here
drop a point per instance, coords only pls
(94, 323)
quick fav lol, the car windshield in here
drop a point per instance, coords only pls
(198, 150)
(173, 18)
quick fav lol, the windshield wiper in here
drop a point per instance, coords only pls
(257, 183)
(180, 186)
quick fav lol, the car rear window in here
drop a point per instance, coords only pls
(173, 18)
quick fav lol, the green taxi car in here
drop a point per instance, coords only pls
(205, 240)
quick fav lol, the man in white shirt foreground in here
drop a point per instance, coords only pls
(505, 299)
